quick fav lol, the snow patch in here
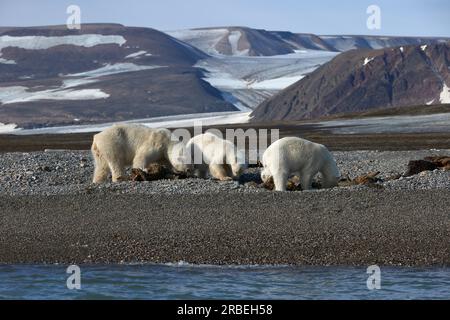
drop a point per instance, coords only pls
(227, 82)
(233, 39)
(367, 60)
(19, 94)
(8, 128)
(177, 121)
(401, 49)
(71, 83)
(113, 69)
(445, 94)
(16, 94)
(42, 42)
(430, 102)
(137, 54)
(205, 40)
(6, 61)
(424, 47)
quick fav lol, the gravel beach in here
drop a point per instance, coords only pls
(50, 212)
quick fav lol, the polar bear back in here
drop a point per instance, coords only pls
(213, 148)
(294, 154)
(129, 138)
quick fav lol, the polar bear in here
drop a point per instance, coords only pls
(124, 145)
(291, 155)
(224, 161)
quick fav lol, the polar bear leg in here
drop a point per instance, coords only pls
(101, 170)
(280, 180)
(306, 181)
(117, 172)
(218, 171)
(201, 170)
(228, 170)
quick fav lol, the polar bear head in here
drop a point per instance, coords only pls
(265, 175)
(237, 163)
(178, 157)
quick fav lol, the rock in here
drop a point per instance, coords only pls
(417, 166)
(423, 174)
(440, 161)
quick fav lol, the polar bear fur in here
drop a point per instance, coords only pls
(221, 157)
(125, 145)
(296, 156)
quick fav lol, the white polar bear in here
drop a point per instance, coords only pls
(221, 157)
(138, 146)
(296, 156)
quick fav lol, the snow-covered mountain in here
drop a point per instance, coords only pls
(243, 41)
(249, 65)
(104, 72)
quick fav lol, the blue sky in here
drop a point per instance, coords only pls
(399, 17)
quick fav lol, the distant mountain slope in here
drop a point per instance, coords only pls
(234, 41)
(360, 80)
(243, 41)
(104, 72)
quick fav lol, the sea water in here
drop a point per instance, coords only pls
(186, 281)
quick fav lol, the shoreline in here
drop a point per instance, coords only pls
(394, 228)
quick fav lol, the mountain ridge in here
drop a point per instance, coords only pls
(360, 80)
(222, 40)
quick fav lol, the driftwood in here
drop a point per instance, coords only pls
(369, 178)
(155, 172)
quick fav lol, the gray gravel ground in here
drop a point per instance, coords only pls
(343, 227)
(50, 212)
